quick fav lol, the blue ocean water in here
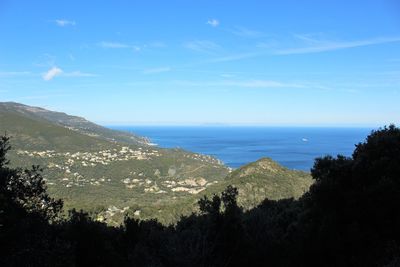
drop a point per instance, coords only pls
(295, 148)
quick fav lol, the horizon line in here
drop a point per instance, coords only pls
(216, 125)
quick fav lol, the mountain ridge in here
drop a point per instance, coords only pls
(74, 123)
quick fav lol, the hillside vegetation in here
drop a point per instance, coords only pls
(348, 217)
(262, 179)
(111, 173)
(74, 123)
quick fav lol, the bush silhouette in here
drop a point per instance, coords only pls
(349, 217)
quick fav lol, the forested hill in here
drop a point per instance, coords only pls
(112, 174)
(348, 217)
(74, 123)
(262, 179)
(104, 171)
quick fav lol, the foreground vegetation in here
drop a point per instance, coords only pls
(349, 217)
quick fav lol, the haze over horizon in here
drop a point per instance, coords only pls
(208, 63)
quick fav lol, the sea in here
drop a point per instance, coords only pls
(293, 147)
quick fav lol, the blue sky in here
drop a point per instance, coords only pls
(205, 62)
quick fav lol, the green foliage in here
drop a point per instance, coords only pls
(207, 206)
(264, 179)
(4, 148)
(352, 207)
(29, 190)
(229, 198)
(26, 187)
(349, 217)
(26, 211)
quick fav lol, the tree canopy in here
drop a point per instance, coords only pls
(349, 217)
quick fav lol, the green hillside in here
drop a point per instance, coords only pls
(73, 123)
(38, 134)
(114, 178)
(265, 178)
(255, 182)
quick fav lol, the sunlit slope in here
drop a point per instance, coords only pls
(113, 178)
(265, 178)
(102, 175)
(31, 133)
(74, 123)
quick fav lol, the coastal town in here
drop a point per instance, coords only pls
(70, 171)
(74, 169)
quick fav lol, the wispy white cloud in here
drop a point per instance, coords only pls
(118, 45)
(261, 84)
(311, 38)
(313, 46)
(204, 46)
(56, 71)
(318, 46)
(51, 73)
(233, 57)
(156, 70)
(113, 45)
(64, 22)
(14, 73)
(213, 22)
(78, 74)
(245, 32)
(241, 84)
